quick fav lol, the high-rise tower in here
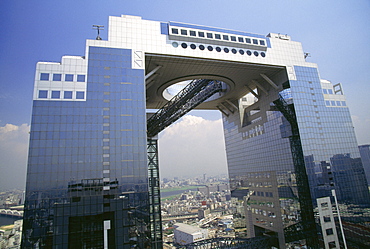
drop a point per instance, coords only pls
(88, 184)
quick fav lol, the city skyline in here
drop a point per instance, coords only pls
(26, 33)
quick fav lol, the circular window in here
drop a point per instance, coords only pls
(249, 52)
(193, 46)
(218, 49)
(210, 48)
(241, 52)
(255, 53)
(226, 50)
(175, 44)
(201, 47)
(184, 45)
(233, 51)
(263, 54)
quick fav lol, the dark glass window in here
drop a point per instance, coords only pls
(193, 46)
(192, 33)
(218, 49)
(233, 38)
(201, 47)
(57, 77)
(240, 39)
(241, 51)
(226, 50)
(184, 45)
(247, 40)
(68, 77)
(68, 94)
(225, 37)
(201, 34)
(263, 54)
(81, 78)
(249, 52)
(327, 219)
(217, 36)
(210, 48)
(43, 94)
(184, 32)
(262, 42)
(55, 94)
(44, 76)
(255, 53)
(80, 95)
(329, 231)
(209, 35)
(175, 31)
(233, 51)
(255, 41)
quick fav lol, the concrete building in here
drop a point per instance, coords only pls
(186, 234)
(92, 177)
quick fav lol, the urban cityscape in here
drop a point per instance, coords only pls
(296, 176)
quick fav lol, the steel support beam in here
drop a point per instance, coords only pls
(187, 99)
(155, 223)
(260, 87)
(269, 81)
(308, 225)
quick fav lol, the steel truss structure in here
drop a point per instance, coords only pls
(232, 243)
(154, 195)
(187, 99)
(307, 228)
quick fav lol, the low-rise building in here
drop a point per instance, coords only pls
(186, 234)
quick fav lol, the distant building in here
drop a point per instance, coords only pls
(186, 234)
(365, 157)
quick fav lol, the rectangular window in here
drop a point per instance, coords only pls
(240, 39)
(80, 78)
(175, 31)
(327, 102)
(68, 77)
(329, 231)
(333, 103)
(247, 40)
(57, 77)
(339, 103)
(43, 94)
(330, 91)
(80, 95)
(192, 33)
(262, 42)
(344, 103)
(44, 76)
(201, 34)
(184, 32)
(209, 35)
(55, 94)
(327, 219)
(218, 36)
(325, 91)
(225, 37)
(255, 41)
(233, 38)
(68, 94)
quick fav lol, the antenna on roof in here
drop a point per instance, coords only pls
(98, 27)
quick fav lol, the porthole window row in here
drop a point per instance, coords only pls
(219, 49)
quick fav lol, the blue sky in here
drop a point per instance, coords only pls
(335, 33)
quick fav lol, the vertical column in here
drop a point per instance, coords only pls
(154, 194)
